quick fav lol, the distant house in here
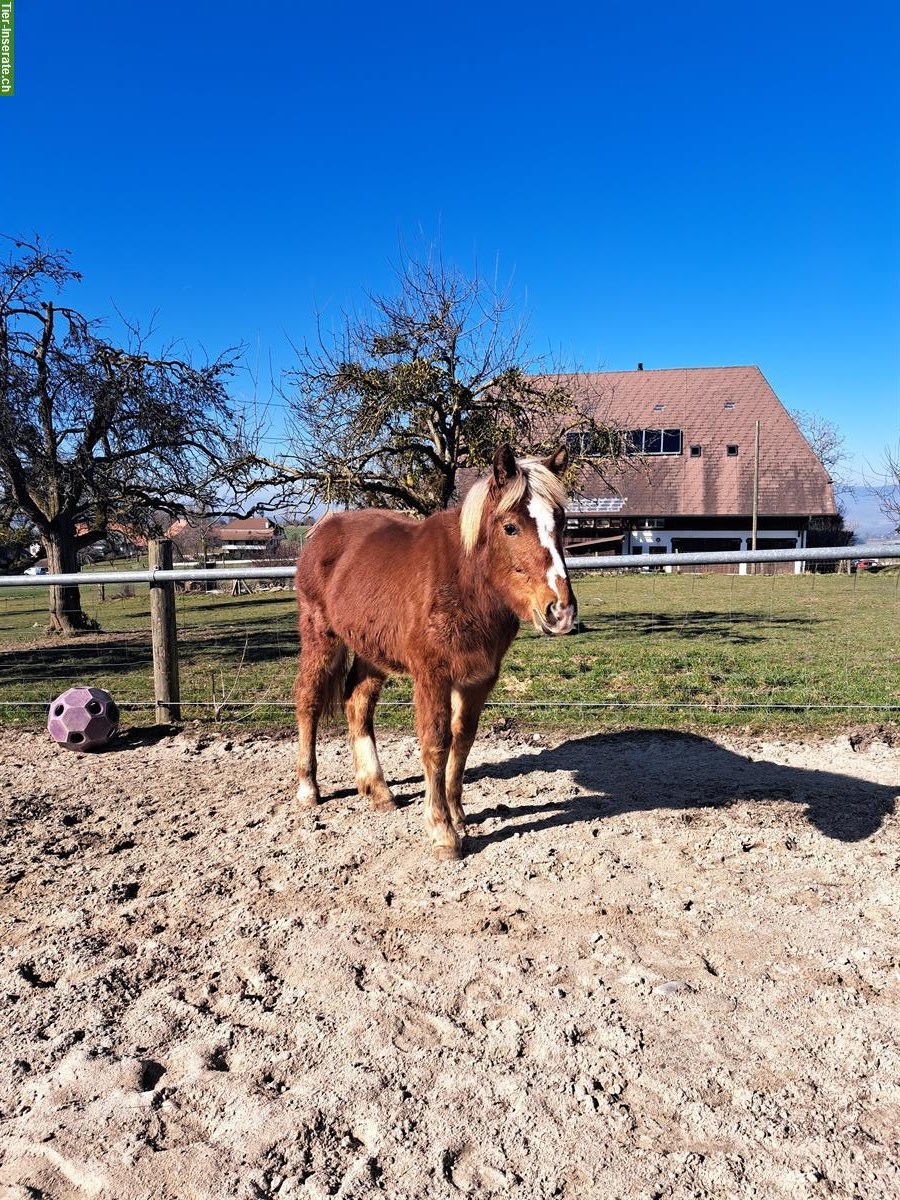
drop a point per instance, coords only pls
(248, 537)
(119, 541)
(692, 487)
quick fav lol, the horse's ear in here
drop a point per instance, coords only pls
(504, 465)
(558, 461)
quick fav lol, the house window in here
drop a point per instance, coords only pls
(696, 451)
(729, 404)
(654, 441)
(585, 443)
(658, 407)
(731, 450)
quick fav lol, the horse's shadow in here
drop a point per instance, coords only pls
(653, 770)
(741, 628)
(401, 799)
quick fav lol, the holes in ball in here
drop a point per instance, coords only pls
(59, 710)
(75, 737)
(112, 710)
(94, 707)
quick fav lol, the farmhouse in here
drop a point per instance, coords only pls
(248, 537)
(120, 541)
(691, 489)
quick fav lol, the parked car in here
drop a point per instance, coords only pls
(866, 564)
(35, 571)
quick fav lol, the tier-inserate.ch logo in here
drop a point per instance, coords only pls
(7, 60)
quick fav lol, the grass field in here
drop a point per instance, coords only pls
(760, 652)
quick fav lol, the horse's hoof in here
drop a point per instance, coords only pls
(382, 800)
(448, 853)
(307, 796)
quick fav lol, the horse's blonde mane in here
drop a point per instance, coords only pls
(532, 478)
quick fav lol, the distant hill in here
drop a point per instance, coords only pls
(863, 515)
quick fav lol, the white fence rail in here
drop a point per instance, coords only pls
(877, 550)
(167, 699)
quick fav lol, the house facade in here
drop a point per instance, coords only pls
(688, 483)
(248, 537)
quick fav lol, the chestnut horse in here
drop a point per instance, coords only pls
(440, 600)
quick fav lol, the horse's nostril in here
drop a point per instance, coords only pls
(558, 612)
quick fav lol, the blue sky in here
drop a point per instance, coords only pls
(697, 184)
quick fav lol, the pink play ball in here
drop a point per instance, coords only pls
(83, 718)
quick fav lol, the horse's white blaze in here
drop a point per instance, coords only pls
(542, 515)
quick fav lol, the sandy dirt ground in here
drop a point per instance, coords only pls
(668, 967)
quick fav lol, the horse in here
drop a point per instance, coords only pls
(438, 599)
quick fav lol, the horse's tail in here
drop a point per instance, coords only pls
(333, 688)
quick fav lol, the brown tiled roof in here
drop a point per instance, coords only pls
(792, 481)
(134, 536)
(245, 529)
(261, 524)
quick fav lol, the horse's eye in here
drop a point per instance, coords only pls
(511, 529)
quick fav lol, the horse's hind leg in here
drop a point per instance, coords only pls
(321, 660)
(361, 694)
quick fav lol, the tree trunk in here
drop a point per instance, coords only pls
(66, 615)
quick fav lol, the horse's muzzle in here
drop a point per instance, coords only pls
(558, 618)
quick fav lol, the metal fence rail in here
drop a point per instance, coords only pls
(735, 557)
(238, 652)
(574, 563)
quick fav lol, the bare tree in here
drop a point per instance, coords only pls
(827, 443)
(192, 536)
(16, 534)
(888, 490)
(391, 405)
(92, 432)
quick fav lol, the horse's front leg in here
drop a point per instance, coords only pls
(432, 699)
(467, 703)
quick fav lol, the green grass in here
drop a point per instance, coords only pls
(758, 651)
(786, 652)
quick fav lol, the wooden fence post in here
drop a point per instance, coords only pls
(163, 636)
